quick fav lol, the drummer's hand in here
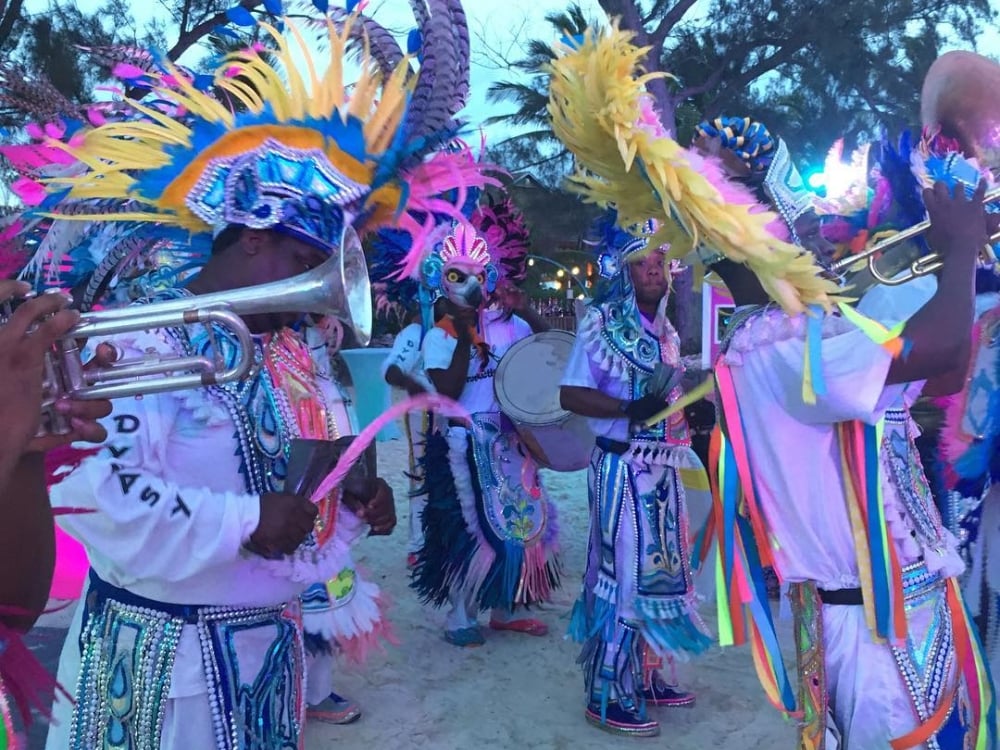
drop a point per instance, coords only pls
(643, 409)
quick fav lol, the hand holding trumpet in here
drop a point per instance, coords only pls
(26, 336)
(958, 225)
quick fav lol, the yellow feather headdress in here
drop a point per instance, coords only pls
(601, 111)
(265, 144)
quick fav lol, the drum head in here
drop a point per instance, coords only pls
(527, 378)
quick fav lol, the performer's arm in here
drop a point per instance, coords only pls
(154, 523)
(27, 544)
(449, 376)
(938, 334)
(537, 322)
(395, 377)
(515, 302)
(580, 390)
(590, 402)
(402, 360)
(27, 538)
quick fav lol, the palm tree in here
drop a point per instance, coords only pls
(534, 144)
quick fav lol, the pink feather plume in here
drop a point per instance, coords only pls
(445, 172)
(423, 402)
(735, 193)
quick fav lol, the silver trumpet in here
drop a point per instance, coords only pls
(339, 287)
(922, 266)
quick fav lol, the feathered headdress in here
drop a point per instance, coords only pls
(295, 152)
(601, 111)
(502, 225)
(769, 163)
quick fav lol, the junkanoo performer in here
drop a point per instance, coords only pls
(638, 604)
(804, 439)
(912, 674)
(958, 117)
(490, 531)
(184, 638)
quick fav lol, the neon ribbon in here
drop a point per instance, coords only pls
(813, 383)
(743, 552)
(974, 670)
(889, 338)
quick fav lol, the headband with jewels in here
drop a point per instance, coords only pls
(615, 246)
(258, 144)
(786, 188)
(768, 160)
(626, 159)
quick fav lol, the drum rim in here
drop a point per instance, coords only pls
(557, 417)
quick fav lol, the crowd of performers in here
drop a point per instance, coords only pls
(218, 521)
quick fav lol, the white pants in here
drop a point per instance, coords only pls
(319, 678)
(187, 720)
(868, 698)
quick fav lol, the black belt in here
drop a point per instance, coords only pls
(617, 447)
(101, 591)
(842, 597)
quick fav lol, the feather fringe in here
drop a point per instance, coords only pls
(600, 110)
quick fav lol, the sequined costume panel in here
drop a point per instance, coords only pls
(638, 591)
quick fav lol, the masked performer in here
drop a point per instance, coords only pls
(490, 534)
(638, 604)
(184, 638)
(804, 402)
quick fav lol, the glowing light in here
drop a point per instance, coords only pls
(845, 182)
(576, 270)
(560, 273)
(579, 296)
(817, 180)
(557, 285)
(531, 261)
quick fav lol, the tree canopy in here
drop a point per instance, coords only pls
(814, 70)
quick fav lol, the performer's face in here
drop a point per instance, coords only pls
(272, 256)
(649, 278)
(809, 229)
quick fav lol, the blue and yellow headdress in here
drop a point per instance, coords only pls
(261, 144)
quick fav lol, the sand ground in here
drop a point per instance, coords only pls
(516, 691)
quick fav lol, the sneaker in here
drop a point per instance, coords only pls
(661, 694)
(334, 710)
(621, 721)
(465, 637)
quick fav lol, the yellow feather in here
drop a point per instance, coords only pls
(595, 104)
